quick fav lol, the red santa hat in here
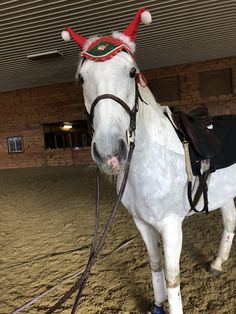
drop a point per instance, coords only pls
(101, 49)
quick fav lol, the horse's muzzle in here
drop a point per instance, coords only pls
(111, 163)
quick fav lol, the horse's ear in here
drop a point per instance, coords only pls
(142, 16)
(77, 37)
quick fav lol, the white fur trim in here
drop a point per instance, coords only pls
(89, 42)
(146, 18)
(65, 35)
(125, 39)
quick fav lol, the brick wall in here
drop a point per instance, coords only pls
(23, 112)
(67, 156)
(190, 85)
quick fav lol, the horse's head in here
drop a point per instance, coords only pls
(109, 116)
(109, 75)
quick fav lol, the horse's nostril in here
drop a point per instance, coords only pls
(122, 149)
(120, 152)
(96, 153)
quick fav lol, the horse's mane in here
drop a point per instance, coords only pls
(169, 138)
(148, 97)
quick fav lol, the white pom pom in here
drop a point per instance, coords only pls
(146, 18)
(65, 35)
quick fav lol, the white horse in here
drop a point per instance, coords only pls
(156, 190)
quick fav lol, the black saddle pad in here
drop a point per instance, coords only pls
(224, 128)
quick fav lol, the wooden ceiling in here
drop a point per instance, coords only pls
(181, 32)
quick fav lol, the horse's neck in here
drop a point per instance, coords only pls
(153, 127)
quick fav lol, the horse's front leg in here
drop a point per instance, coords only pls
(171, 231)
(151, 238)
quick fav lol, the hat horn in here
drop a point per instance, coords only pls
(77, 37)
(142, 16)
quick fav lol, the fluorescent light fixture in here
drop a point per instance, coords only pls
(45, 55)
(66, 126)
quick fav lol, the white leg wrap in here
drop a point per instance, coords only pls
(159, 287)
(224, 250)
(225, 245)
(175, 301)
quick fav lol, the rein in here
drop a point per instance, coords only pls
(97, 245)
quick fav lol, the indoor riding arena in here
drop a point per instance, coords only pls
(48, 190)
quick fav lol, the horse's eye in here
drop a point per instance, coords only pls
(132, 72)
(81, 79)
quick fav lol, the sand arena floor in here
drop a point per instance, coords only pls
(46, 225)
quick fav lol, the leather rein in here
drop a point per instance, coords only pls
(97, 245)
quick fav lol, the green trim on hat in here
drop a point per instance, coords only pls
(101, 49)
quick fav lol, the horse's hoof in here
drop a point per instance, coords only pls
(214, 272)
(156, 310)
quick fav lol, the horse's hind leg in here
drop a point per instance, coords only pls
(151, 239)
(229, 220)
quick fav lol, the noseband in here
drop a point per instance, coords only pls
(131, 112)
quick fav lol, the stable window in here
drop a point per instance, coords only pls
(215, 83)
(165, 88)
(55, 136)
(15, 144)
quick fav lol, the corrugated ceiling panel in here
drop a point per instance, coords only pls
(181, 32)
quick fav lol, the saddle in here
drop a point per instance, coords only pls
(200, 145)
(209, 144)
(195, 127)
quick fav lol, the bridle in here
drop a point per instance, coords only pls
(98, 244)
(131, 112)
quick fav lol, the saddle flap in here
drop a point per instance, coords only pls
(202, 139)
(193, 127)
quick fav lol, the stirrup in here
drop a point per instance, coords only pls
(154, 309)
